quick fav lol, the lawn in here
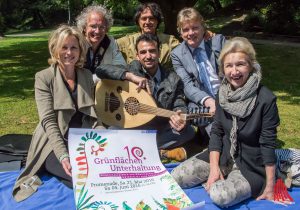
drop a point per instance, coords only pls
(22, 56)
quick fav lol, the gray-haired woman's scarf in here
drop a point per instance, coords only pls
(239, 102)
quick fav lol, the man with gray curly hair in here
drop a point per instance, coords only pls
(94, 22)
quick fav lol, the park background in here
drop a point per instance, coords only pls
(272, 26)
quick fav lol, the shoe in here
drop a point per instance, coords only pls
(178, 154)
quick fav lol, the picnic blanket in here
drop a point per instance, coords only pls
(54, 195)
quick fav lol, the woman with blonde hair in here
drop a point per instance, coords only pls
(64, 97)
(243, 134)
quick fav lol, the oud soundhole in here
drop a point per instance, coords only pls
(132, 106)
(118, 117)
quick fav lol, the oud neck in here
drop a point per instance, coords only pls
(198, 115)
(155, 111)
(167, 113)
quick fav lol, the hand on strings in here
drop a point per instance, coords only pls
(67, 166)
(177, 122)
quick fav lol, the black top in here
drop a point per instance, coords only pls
(76, 120)
(256, 138)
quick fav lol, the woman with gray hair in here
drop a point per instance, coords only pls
(94, 22)
(243, 135)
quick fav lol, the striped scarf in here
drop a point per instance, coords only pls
(240, 102)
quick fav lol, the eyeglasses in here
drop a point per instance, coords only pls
(95, 27)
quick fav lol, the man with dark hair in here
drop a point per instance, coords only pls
(156, 14)
(148, 18)
(165, 87)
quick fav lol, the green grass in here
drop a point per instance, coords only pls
(22, 57)
(281, 73)
(119, 31)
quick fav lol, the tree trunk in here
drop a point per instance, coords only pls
(35, 23)
(40, 17)
(170, 9)
(76, 7)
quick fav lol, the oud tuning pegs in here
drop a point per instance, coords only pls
(202, 121)
(118, 117)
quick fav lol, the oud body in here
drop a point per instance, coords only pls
(118, 103)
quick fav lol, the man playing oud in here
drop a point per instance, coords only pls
(165, 87)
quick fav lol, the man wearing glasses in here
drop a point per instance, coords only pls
(95, 22)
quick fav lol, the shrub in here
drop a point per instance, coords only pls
(254, 21)
(204, 7)
(281, 18)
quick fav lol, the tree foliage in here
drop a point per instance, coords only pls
(274, 16)
(281, 16)
(123, 10)
(27, 14)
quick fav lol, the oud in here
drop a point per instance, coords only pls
(118, 103)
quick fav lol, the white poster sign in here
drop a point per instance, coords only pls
(121, 170)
